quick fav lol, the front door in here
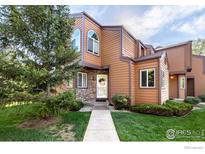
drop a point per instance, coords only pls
(190, 87)
(102, 86)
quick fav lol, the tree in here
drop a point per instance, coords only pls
(40, 37)
(199, 47)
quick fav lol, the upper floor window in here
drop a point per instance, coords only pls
(142, 51)
(147, 78)
(93, 42)
(75, 40)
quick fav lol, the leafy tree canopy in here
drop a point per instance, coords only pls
(198, 47)
(39, 37)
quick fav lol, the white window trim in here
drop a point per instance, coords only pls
(82, 80)
(147, 78)
(93, 52)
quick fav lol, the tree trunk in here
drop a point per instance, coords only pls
(48, 93)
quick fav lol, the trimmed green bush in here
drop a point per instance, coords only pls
(120, 101)
(152, 109)
(192, 100)
(178, 108)
(202, 97)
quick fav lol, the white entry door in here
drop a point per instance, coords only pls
(102, 85)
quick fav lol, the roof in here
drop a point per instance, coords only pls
(106, 26)
(173, 45)
(149, 57)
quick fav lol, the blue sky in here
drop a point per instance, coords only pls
(156, 25)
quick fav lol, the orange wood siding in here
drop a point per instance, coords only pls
(179, 57)
(176, 58)
(118, 72)
(198, 74)
(133, 83)
(129, 45)
(147, 95)
(89, 57)
(78, 25)
(173, 86)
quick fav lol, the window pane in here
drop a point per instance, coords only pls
(75, 40)
(79, 79)
(90, 44)
(96, 47)
(84, 80)
(151, 78)
(182, 83)
(144, 78)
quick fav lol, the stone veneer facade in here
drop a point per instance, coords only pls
(89, 94)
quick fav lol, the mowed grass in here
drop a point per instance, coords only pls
(142, 127)
(11, 118)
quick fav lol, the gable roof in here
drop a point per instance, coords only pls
(172, 46)
(80, 14)
(149, 57)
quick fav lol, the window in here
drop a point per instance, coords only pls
(142, 51)
(75, 40)
(93, 42)
(182, 83)
(82, 80)
(147, 78)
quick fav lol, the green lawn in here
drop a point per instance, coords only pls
(141, 127)
(69, 126)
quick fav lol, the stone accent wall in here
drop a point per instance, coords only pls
(89, 94)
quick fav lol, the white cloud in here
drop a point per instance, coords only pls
(143, 25)
(192, 27)
(154, 19)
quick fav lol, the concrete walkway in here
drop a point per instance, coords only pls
(101, 127)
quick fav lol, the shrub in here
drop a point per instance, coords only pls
(178, 108)
(192, 100)
(63, 102)
(202, 97)
(120, 101)
(152, 109)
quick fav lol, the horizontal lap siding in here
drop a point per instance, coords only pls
(129, 45)
(149, 95)
(133, 83)
(118, 72)
(89, 57)
(198, 74)
(78, 25)
(176, 58)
